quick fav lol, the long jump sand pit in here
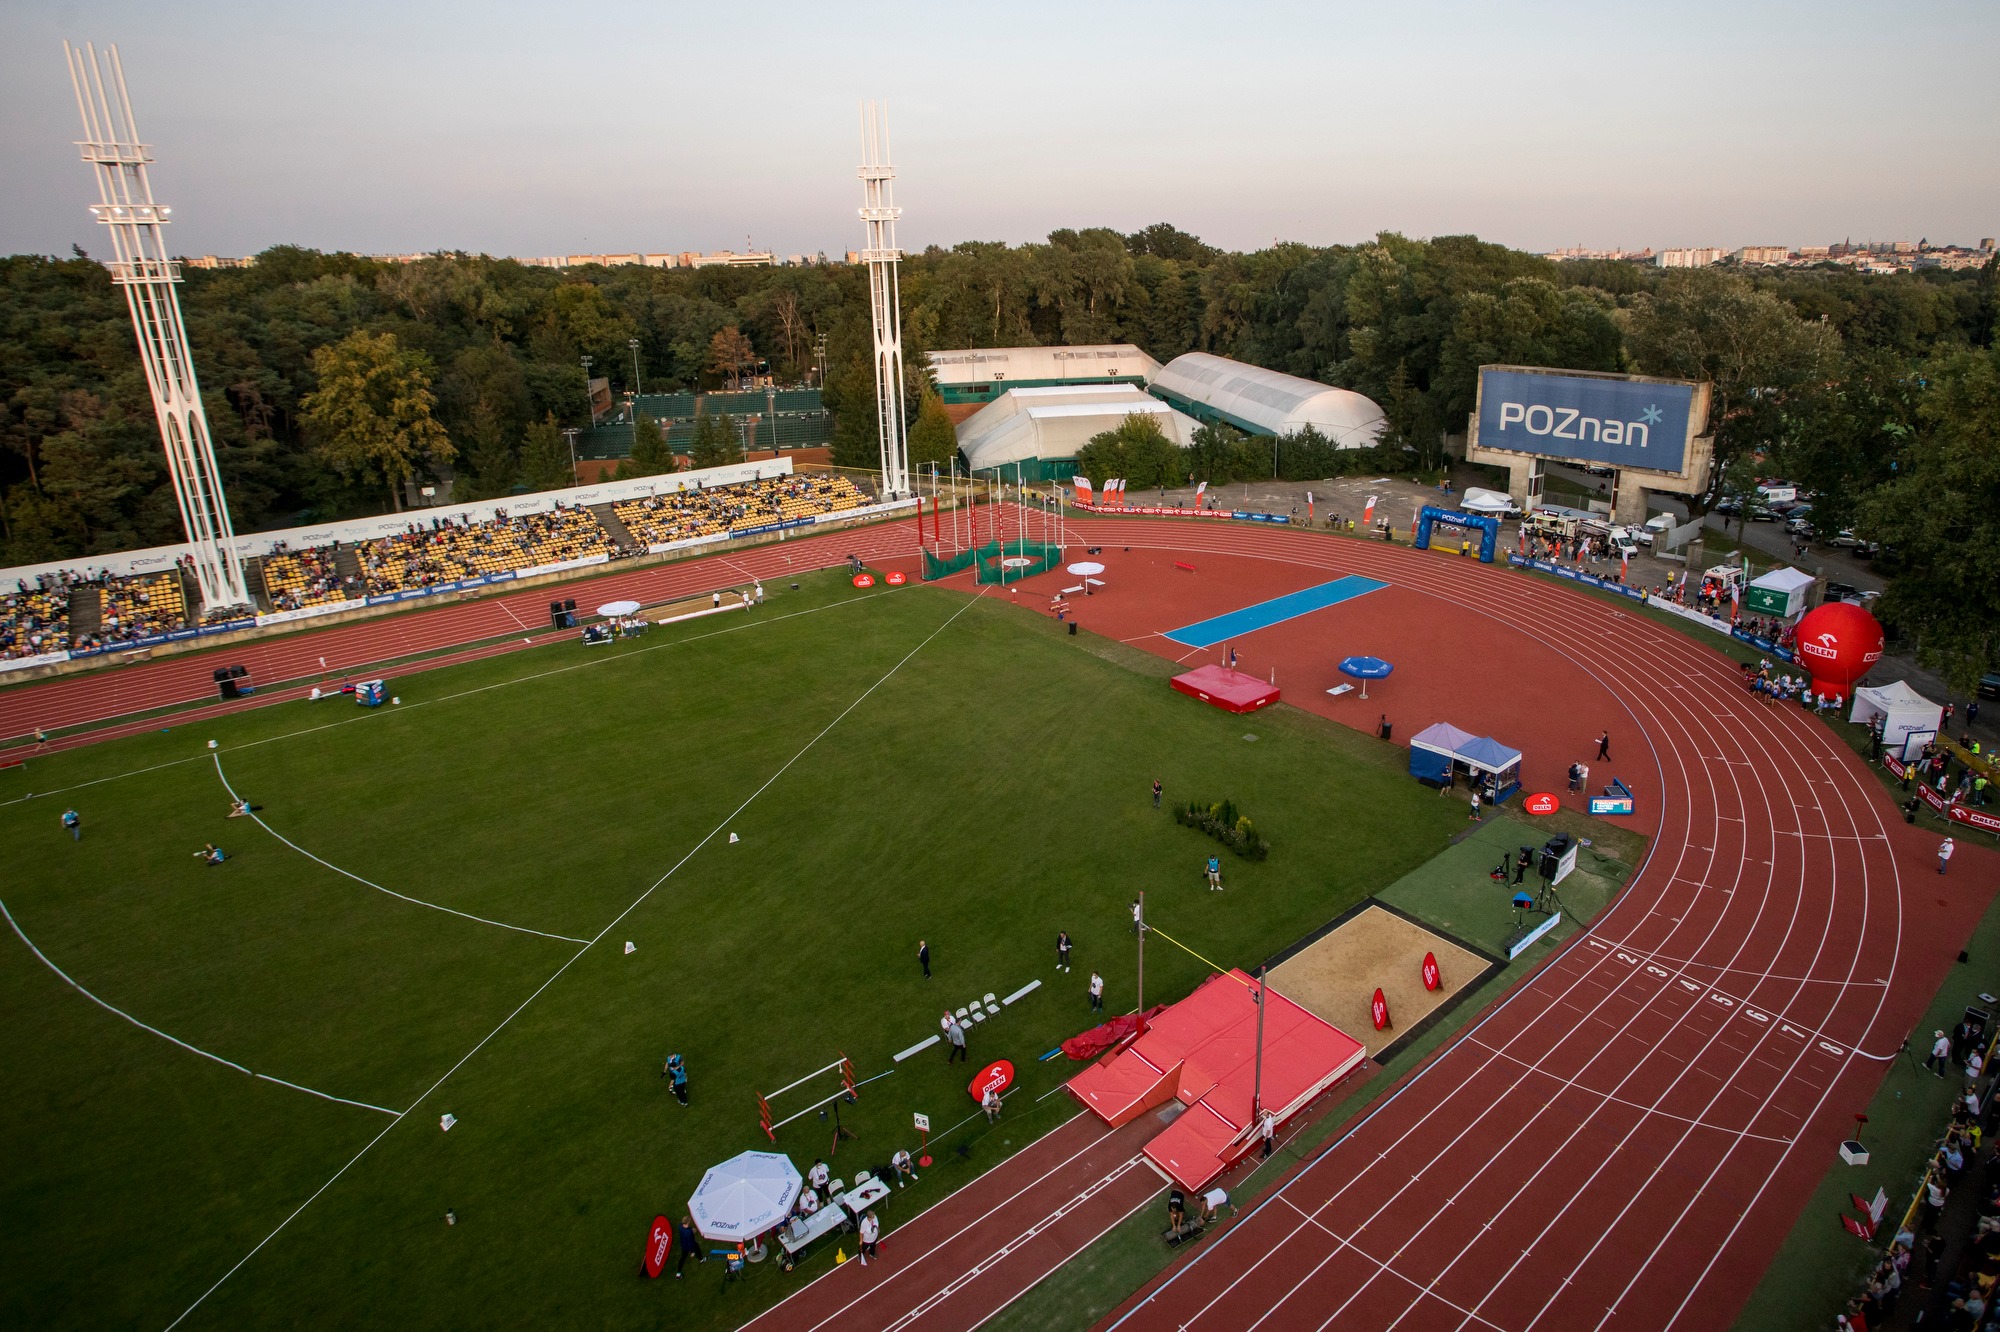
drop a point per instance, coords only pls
(1335, 976)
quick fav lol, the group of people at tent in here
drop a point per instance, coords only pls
(1441, 755)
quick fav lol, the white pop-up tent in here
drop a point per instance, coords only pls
(1489, 501)
(1904, 712)
(1781, 592)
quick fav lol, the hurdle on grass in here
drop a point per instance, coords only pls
(847, 1090)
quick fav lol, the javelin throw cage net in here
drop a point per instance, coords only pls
(996, 561)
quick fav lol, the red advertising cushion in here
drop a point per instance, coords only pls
(1431, 978)
(1379, 1011)
(896, 578)
(999, 1075)
(659, 1243)
(1541, 802)
(864, 580)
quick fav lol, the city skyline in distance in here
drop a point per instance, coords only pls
(383, 130)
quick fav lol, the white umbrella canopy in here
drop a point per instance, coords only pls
(745, 1196)
(1085, 568)
(611, 610)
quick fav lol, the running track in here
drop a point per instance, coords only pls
(1626, 1139)
(1622, 1142)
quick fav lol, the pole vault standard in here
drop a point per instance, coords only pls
(879, 214)
(847, 1092)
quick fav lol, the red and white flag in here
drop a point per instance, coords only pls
(1368, 514)
(1199, 491)
(1309, 506)
(1082, 489)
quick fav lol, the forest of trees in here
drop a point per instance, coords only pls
(331, 378)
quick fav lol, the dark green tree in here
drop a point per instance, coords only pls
(650, 454)
(933, 438)
(545, 460)
(717, 441)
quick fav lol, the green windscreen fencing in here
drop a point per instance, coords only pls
(996, 561)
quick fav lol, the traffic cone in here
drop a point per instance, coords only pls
(839, 1256)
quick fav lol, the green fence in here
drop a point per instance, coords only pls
(996, 561)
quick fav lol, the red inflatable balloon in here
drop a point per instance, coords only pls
(1838, 643)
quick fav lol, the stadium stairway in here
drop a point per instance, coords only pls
(253, 578)
(347, 564)
(619, 532)
(86, 609)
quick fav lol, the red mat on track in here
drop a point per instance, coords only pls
(1203, 1051)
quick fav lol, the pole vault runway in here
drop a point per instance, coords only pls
(1624, 1140)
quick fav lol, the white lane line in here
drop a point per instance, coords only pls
(175, 1040)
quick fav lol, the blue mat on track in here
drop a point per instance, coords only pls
(1264, 614)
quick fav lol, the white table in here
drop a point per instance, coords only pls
(864, 1196)
(800, 1231)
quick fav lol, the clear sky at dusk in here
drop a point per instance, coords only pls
(528, 130)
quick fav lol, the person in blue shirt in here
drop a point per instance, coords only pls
(1215, 874)
(74, 822)
(677, 1075)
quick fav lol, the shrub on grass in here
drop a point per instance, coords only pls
(1222, 822)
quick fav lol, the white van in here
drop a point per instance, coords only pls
(1622, 544)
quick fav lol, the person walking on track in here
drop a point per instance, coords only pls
(1062, 950)
(924, 957)
(1945, 849)
(1604, 745)
(871, 1231)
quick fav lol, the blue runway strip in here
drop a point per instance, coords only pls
(1276, 611)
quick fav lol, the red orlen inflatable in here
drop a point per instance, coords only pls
(999, 1075)
(1838, 643)
(864, 580)
(896, 578)
(659, 1242)
(1541, 802)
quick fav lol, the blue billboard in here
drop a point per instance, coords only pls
(1611, 422)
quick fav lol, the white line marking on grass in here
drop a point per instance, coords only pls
(594, 940)
(414, 901)
(174, 1040)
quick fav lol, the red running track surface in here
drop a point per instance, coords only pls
(1626, 1138)
(354, 647)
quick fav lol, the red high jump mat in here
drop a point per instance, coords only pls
(1232, 691)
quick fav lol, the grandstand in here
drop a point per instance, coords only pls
(294, 580)
(448, 552)
(34, 621)
(687, 514)
(141, 606)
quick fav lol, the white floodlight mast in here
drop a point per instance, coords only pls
(879, 214)
(141, 265)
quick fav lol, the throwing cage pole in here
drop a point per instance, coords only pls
(847, 1091)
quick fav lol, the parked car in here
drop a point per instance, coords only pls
(1800, 520)
(1638, 536)
(1989, 685)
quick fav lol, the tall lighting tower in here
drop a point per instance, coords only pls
(879, 214)
(141, 265)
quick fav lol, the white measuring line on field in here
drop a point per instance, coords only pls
(175, 1040)
(556, 975)
(414, 901)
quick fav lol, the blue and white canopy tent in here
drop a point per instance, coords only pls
(1439, 753)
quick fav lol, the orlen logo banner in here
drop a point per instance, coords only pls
(1614, 422)
(998, 1075)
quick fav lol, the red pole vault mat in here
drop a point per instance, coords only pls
(1541, 802)
(1431, 978)
(999, 1075)
(1378, 1009)
(896, 578)
(864, 580)
(659, 1242)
